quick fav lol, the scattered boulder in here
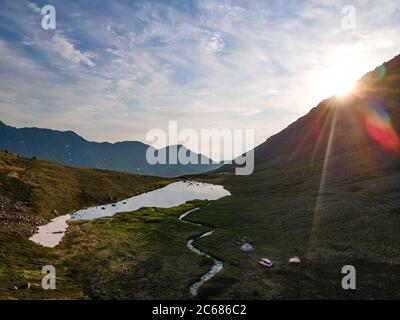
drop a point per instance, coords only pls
(295, 260)
(26, 286)
(13, 215)
(22, 285)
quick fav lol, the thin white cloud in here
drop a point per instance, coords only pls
(62, 46)
(228, 64)
(33, 6)
(213, 43)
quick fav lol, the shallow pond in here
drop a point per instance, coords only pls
(172, 195)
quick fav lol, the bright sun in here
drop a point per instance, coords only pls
(344, 88)
(338, 79)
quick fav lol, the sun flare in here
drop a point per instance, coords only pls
(337, 79)
(343, 89)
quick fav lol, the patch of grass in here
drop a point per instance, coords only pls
(354, 219)
(134, 255)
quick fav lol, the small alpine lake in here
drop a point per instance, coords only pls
(174, 194)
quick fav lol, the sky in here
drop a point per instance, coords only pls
(113, 70)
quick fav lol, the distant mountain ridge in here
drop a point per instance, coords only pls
(68, 148)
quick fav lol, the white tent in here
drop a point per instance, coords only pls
(295, 260)
(246, 247)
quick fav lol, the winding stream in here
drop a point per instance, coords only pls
(218, 265)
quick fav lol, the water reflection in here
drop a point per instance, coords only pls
(172, 195)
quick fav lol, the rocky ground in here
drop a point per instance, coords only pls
(15, 217)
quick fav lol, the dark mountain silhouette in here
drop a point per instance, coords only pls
(72, 150)
(325, 189)
(367, 123)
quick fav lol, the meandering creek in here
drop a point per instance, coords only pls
(218, 265)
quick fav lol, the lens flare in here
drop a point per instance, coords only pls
(379, 127)
(380, 72)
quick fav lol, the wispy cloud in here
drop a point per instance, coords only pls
(60, 45)
(116, 70)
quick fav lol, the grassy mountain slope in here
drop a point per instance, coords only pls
(327, 189)
(32, 192)
(42, 190)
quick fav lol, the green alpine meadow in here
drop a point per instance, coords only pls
(199, 150)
